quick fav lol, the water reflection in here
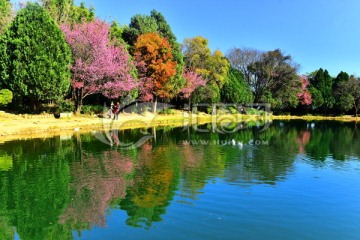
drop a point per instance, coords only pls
(52, 187)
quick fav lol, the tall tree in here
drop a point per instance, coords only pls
(275, 79)
(213, 67)
(66, 12)
(323, 83)
(35, 57)
(235, 89)
(339, 81)
(348, 94)
(304, 96)
(116, 31)
(153, 59)
(99, 67)
(156, 23)
(175, 83)
(341, 77)
(196, 52)
(82, 14)
(241, 58)
(59, 10)
(193, 81)
(139, 24)
(5, 14)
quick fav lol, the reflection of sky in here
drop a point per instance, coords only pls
(313, 203)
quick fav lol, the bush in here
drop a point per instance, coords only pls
(65, 106)
(92, 109)
(6, 97)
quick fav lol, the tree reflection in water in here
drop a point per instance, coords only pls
(52, 187)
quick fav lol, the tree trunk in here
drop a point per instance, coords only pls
(155, 105)
(78, 101)
(189, 104)
(35, 106)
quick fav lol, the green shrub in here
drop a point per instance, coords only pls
(6, 97)
(65, 106)
(92, 109)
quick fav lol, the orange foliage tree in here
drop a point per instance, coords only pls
(153, 60)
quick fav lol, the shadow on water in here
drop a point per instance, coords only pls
(50, 188)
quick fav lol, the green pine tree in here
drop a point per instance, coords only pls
(35, 58)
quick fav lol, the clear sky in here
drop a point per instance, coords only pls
(317, 33)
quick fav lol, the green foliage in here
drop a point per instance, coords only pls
(213, 67)
(5, 14)
(59, 10)
(348, 94)
(116, 32)
(82, 13)
(206, 94)
(65, 106)
(317, 98)
(342, 77)
(235, 89)
(139, 24)
(275, 79)
(196, 52)
(92, 109)
(66, 12)
(323, 82)
(35, 58)
(6, 97)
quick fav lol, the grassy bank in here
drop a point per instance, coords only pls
(33, 126)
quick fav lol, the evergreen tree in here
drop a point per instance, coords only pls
(235, 89)
(341, 77)
(323, 83)
(35, 58)
(139, 24)
(5, 14)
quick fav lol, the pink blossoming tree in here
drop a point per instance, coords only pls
(304, 96)
(193, 81)
(99, 66)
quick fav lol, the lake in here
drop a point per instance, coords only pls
(294, 180)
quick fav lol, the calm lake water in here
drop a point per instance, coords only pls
(295, 180)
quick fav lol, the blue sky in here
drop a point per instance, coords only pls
(317, 33)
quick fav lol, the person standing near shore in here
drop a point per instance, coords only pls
(116, 111)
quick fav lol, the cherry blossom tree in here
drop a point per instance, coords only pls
(99, 66)
(193, 81)
(304, 96)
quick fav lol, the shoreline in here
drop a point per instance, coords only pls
(21, 127)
